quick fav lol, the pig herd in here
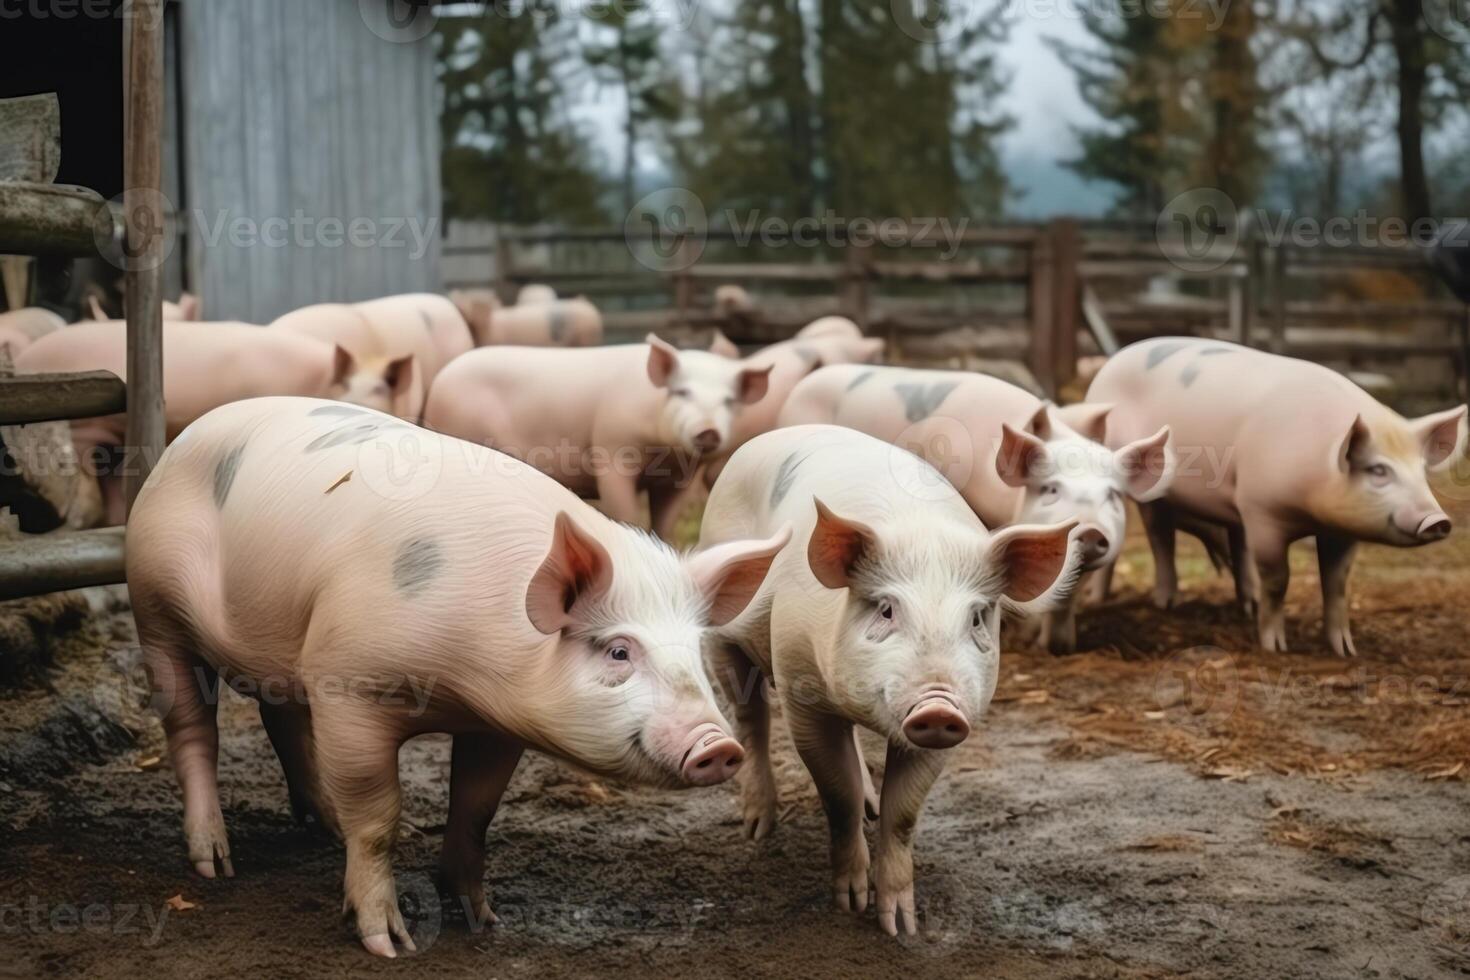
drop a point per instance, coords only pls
(868, 532)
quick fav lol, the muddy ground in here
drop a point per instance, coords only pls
(1170, 803)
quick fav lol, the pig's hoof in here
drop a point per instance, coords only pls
(896, 912)
(209, 848)
(1164, 600)
(380, 945)
(1342, 644)
(759, 819)
(850, 888)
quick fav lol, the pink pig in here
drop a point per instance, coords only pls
(326, 559)
(205, 365)
(605, 422)
(1008, 453)
(1277, 449)
(21, 328)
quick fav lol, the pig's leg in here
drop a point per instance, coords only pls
(1059, 627)
(1267, 545)
(744, 686)
(189, 690)
(619, 497)
(826, 747)
(1335, 560)
(1099, 587)
(1158, 521)
(1242, 570)
(906, 782)
(357, 756)
(481, 769)
(289, 728)
(870, 792)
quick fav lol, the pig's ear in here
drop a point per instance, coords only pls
(723, 346)
(837, 544)
(1030, 559)
(663, 361)
(1020, 457)
(731, 574)
(577, 567)
(343, 365)
(752, 384)
(1148, 465)
(1089, 420)
(869, 350)
(1039, 425)
(398, 374)
(1354, 446)
(1442, 435)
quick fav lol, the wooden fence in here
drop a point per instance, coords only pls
(1043, 294)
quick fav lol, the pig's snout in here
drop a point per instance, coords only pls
(1435, 527)
(707, 441)
(1092, 544)
(712, 756)
(936, 721)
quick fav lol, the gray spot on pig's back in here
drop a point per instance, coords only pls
(352, 430)
(1162, 351)
(343, 410)
(416, 564)
(556, 322)
(1187, 376)
(920, 401)
(864, 376)
(224, 474)
(785, 477)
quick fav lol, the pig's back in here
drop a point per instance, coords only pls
(345, 530)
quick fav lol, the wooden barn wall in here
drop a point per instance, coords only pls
(295, 110)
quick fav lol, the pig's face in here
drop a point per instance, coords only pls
(1382, 492)
(1067, 476)
(703, 393)
(625, 690)
(376, 383)
(920, 625)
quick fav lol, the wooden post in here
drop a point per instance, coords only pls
(142, 204)
(856, 294)
(1278, 301)
(504, 259)
(1042, 303)
(1066, 257)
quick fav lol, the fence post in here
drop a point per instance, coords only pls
(143, 190)
(1066, 258)
(1278, 301)
(856, 296)
(1043, 298)
(504, 260)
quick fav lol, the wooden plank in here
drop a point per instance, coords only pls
(1043, 300)
(143, 197)
(30, 138)
(951, 272)
(62, 560)
(27, 398)
(769, 271)
(1147, 269)
(1067, 256)
(52, 220)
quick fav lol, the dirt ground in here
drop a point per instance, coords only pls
(1170, 803)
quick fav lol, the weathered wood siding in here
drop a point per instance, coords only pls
(295, 113)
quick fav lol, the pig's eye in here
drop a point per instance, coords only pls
(618, 652)
(975, 620)
(679, 392)
(1378, 471)
(885, 609)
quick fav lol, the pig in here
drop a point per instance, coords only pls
(789, 361)
(279, 547)
(883, 612)
(477, 307)
(21, 328)
(535, 294)
(1008, 452)
(418, 333)
(722, 345)
(733, 300)
(187, 309)
(205, 365)
(1278, 449)
(830, 326)
(605, 423)
(560, 323)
